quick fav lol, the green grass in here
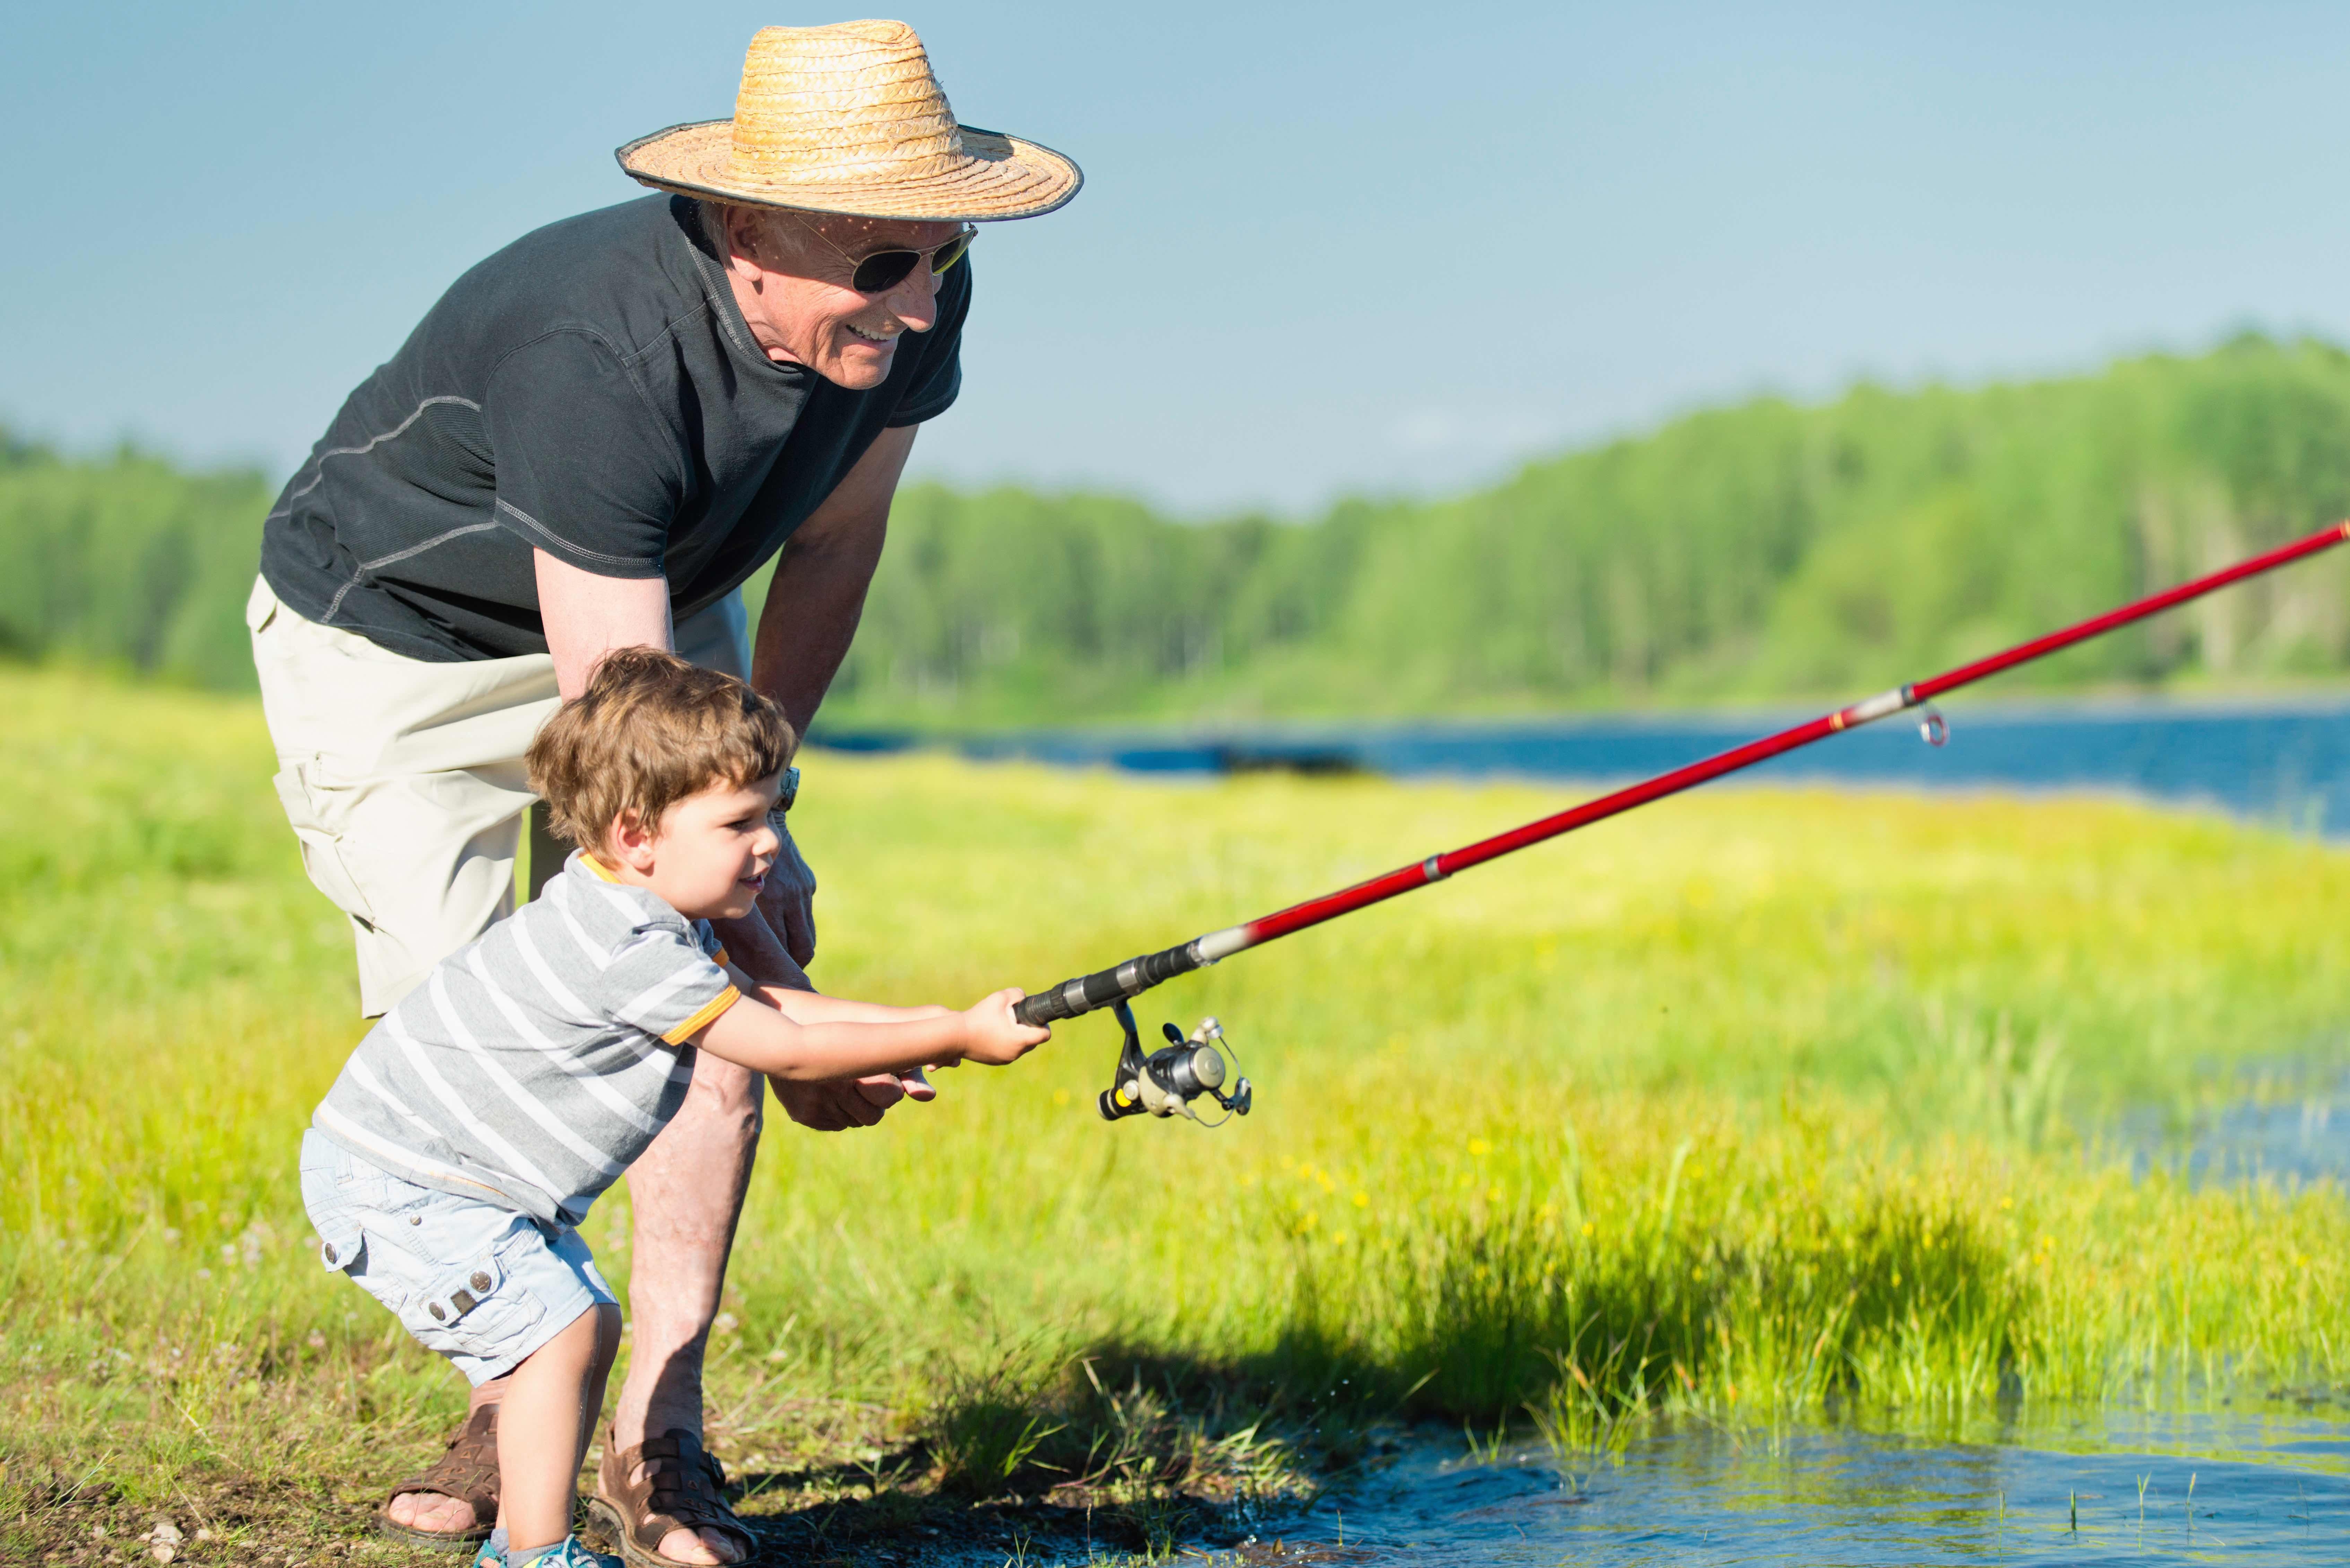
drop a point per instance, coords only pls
(1761, 1106)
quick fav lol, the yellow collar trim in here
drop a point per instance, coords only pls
(596, 867)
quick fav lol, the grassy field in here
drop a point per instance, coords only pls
(1759, 1106)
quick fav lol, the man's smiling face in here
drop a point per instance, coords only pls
(794, 292)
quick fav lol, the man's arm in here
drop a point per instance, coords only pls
(811, 615)
(810, 618)
(586, 616)
(818, 592)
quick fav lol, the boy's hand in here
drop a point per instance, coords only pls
(996, 1038)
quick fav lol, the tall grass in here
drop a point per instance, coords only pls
(1759, 1105)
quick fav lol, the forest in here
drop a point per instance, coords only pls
(1765, 550)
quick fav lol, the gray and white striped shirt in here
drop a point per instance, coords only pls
(539, 1060)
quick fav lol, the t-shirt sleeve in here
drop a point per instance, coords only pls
(938, 377)
(661, 982)
(586, 470)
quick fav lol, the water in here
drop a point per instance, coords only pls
(2111, 1488)
(2301, 1137)
(2262, 1492)
(2280, 763)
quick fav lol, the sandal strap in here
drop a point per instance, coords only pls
(669, 1482)
(467, 1468)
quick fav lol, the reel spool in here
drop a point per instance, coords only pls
(1167, 1081)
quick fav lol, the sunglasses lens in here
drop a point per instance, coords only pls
(884, 270)
(947, 254)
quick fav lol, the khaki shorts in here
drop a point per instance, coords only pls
(404, 778)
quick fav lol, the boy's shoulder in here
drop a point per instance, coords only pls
(595, 949)
(608, 913)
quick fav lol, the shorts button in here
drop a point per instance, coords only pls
(329, 1251)
(480, 1281)
(416, 1219)
(438, 1316)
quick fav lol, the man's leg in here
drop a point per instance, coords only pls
(687, 1194)
(403, 782)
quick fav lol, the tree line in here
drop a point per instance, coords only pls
(1764, 550)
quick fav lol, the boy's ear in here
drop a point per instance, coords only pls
(631, 839)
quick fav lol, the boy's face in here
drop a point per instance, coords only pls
(710, 853)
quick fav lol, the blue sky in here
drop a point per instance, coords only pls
(1321, 248)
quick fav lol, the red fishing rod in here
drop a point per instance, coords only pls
(1166, 1081)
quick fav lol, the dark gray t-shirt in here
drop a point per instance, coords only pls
(591, 390)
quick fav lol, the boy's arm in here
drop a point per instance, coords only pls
(820, 1107)
(763, 1038)
(815, 1007)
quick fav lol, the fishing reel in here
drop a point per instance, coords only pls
(1168, 1081)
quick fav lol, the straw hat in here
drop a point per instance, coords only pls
(849, 119)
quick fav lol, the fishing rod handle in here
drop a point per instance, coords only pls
(1099, 989)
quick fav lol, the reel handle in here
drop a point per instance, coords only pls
(1087, 991)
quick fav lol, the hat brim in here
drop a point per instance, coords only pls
(1001, 177)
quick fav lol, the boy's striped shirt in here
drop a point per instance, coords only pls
(539, 1060)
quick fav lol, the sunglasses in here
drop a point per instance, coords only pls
(885, 270)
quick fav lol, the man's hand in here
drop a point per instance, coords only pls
(788, 899)
(841, 1105)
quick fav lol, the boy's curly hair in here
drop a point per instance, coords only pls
(649, 730)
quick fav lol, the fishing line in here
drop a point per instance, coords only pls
(1164, 1083)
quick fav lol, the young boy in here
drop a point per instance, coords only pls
(449, 1167)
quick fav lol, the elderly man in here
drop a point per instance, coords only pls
(590, 442)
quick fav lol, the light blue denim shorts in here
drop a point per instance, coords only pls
(480, 1284)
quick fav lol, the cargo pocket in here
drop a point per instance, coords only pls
(475, 1307)
(300, 793)
(342, 1249)
(260, 606)
(341, 1242)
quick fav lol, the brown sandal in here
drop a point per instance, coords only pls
(468, 1471)
(669, 1482)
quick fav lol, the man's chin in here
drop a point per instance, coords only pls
(860, 366)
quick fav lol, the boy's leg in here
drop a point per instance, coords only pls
(405, 784)
(549, 1411)
(478, 1282)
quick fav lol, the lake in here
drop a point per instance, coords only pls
(2283, 763)
(2138, 1490)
